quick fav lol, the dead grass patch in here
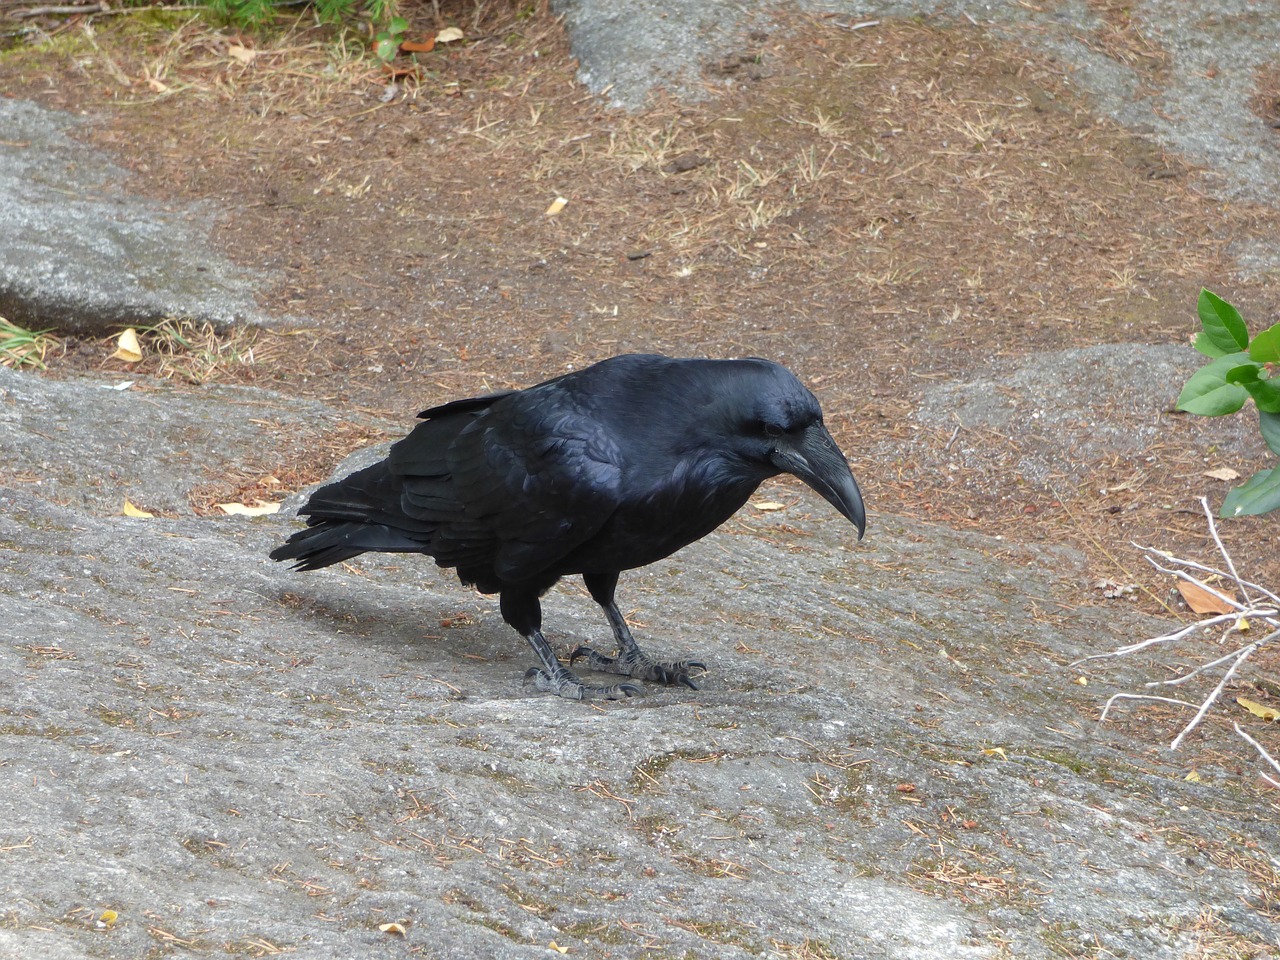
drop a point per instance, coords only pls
(1122, 36)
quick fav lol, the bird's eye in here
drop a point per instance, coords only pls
(772, 430)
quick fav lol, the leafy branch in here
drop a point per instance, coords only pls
(1242, 368)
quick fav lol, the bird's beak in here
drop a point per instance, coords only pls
(816, 460)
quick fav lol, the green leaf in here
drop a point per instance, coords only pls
(1265, 393)
(1269, 423)
(1209, 394)
(386, 49)
(1261, 494)
(399, 25)
(1208, 347)
(1265, 347)
(1223, 325)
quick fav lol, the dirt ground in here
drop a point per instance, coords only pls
(882, 209)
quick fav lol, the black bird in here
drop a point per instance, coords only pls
(595, 472)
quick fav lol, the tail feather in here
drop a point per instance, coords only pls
(404, 504)
(328, 542)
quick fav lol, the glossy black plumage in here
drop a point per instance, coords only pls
(602, 470)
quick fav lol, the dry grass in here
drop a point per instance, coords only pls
(1123, 37)
(20, 347)
(198, 352)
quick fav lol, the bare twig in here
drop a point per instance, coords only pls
(95, 9)
(1259, 605)
(1178, 681)
(1265, 756)
(1231, 564)
(1212, 698)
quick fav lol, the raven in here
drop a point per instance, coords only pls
(601, 470)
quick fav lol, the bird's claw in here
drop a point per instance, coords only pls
(564, 684)
(673, 673)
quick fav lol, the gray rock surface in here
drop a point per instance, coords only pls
(1062, 413)
(80, 252)
(885, 760)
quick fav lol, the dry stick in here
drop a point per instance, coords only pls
(1265, 755)
(1168, 637)
(1242, 611)
(94, 9)
(1178, 681)
(1213, 529)
(1210, 700)
(1200, 566)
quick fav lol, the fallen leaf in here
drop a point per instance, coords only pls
(260, 509)
(1222, 473)
(768, 505)
(1242, 625)
(996, 752)
(243, 54)
(157, 86)
(906, 788)
(449, 35)
(130, 510)
(128, 348)
(396, 928)
(1258, 709)
(557, 948)
(1193, 777)
(1201, 600)
(556, 206)
(107, 919)
(1083, 681)
(418, 46)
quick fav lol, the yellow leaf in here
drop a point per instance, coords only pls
(1193, 777)
(131, 511)
(1222, 473)
(243, 54)
(1083, 681)
(107, 918)
(768, 505)
(557, 948)
(396, 928)
(261, 509)
(449, 35)
(1242, 625)
(1201, 600)
(556, 206)
(996, 752)
(1258, 709)
(128, 348)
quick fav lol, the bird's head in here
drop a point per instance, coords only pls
(779, 429)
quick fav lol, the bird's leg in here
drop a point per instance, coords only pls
(524, 612)
(631, 661)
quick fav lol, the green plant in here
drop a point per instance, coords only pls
(251, 13)
(1241, 368)
(23, 348)
(386, 43)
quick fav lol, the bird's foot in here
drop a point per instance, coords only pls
(635, 663)
(564, 684)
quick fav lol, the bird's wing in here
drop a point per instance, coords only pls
(526, 481)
